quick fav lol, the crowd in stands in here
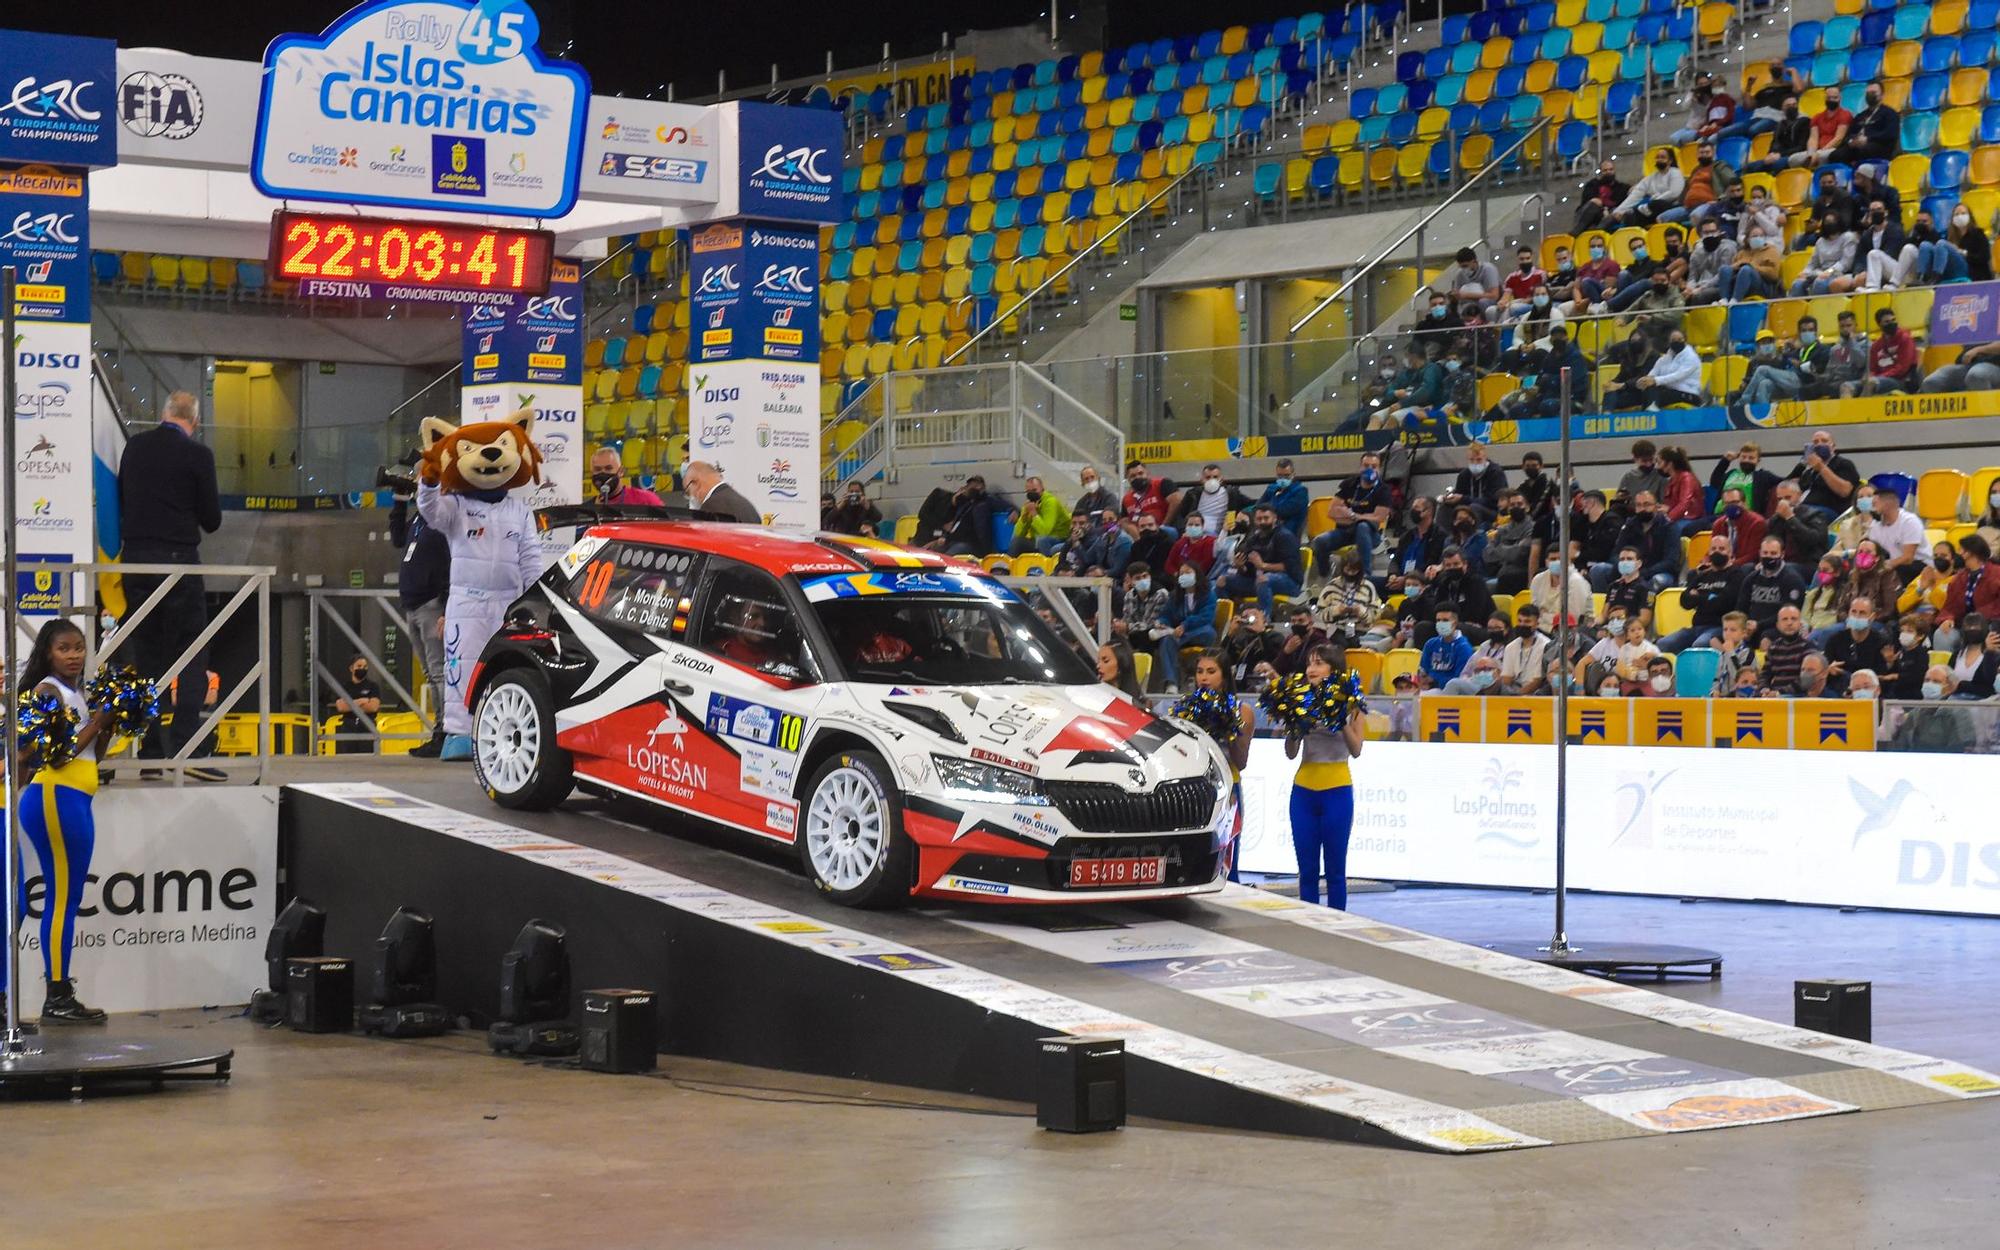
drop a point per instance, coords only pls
(1798, 579)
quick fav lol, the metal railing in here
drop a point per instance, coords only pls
(117, 649)
(1036, 590)
(323, 607)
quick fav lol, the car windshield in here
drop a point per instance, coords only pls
(947, 640)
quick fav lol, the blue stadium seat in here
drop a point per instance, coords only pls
(1863, 64)
(1839, 34)
(1268, 179)
(1409, 66)
(1507, 82)
(1989, 124)
(104, 266)
(1362, 103)
(1745, 319)
(1948, 170)
(1463, 119)
(1571, 73)
(1572, 139)
(1983, 15)
(1919, 132)
(1805, 38)
(1324, 175)
(1940, 55)
(1912, 20)
(1927, 92)
(1733, 151)
(1402, 128)
(1976, 48)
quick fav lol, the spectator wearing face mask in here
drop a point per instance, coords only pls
(1659, 683)
(1741, 527)
(1626, 593)
(1143, 605)
(1804, 537)
(1478, 485)
(1855, 645)
(1743, 471)
(1151, 544)
(1445, 655)
(1302, 634)
(1509, 545)
(1681, 499)
(1348, 602)
(1851, 526)
(1870, 578)
(1099, 546)
(1706, 186)
(1925, 258)
(1675, 378)
(1770, 585)
(1188, 620)
(1212, 500)
(1545, 592)
(1267, 564)
(1042, 523)
(1656, 540)
(1938, 730)
(1710, 592)
(1905, 662)
(1974, 591)
(1096, 497)
(1652, 195)
(1876, 134)
(1977, 663)
(1832, 257)
(1892, 361)
(1600, 194)
(1287, 498)
(1421, 547)
(1933, 579)
(853, 513)
(1826, 593)
(1759, 269)
(1710, 110)
(1713, 263)
(1897, 532)
(1248, 644)
(1970, 239)
(1422, 389)
(1463, 592)
(1481, 676)
(1193, 551)
(1597, 278)
(1773, 373)
(1528, 660)
(1658, 309)
(1987, 523)
(1474, 281)
(1520, 285)
(1828, 478)
(1361, 508)
(1737, 653)
(1791, 140)
(1145, 495)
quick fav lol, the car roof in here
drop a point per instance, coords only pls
(780, 551)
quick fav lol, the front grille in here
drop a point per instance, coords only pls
(1099, 807)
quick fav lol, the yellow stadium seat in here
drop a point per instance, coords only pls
(1398, 662)
(1367, 665)
(1669, 614)
(1899, 60)
(1697, 548)
(1981, 487)
(1343, 134)
(1725, 375)
(1940, 495)
(1704, 325)
(1142, 667)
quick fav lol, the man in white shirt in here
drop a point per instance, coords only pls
(1675, 377)
(1524, 663)
(1545, 592)
(1897, 531)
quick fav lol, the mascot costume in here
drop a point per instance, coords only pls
(462, 492)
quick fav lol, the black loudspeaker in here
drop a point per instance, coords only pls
(1841, 1008)
(299, 932)
(534, 995)
(319, 994)
(1080, 1084)
(618, 1033)
(403, 979)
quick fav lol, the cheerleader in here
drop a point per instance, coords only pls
(1211, 675)
(55, 815)
(1323, 792)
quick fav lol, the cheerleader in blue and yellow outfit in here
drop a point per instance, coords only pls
(1322, 806)
(55, 814)
(1213, 707)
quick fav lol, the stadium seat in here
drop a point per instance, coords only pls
(1940, 495)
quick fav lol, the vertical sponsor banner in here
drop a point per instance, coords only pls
(716, 298)
(56, 99)
(170, 921)
(528, 353)
(788, 162)
(758, 421)
(783, 315)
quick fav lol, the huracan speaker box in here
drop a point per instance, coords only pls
(1838, 1007)
(1080, 1084)
(618, 1031)
(319, 994)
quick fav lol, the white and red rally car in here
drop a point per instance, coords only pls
(906, 721)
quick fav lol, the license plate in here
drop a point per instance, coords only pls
(1100, 872)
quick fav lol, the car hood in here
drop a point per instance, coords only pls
(1077, 733)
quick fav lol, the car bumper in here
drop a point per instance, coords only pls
(954, 886)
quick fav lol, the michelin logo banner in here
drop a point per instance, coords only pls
(758, 421)
(423, 104)
(754, 291)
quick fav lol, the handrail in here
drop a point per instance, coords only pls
(127, 346)
(1108, 427)
(1046, 283)
(1412, 232)
(102, 376)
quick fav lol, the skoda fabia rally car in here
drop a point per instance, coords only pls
(904, 720)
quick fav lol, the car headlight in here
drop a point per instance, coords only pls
(985, 783)
(1216, 777)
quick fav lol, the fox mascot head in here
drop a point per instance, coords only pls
(486, 455)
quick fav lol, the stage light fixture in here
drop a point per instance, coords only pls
(534, 995)
(299, 933)
(1080, 1084)
(403, 980)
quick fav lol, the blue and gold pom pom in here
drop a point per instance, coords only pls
(1211, 711)
(134, 702)
(48, 728)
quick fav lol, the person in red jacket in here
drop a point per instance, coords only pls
(1974, 588)
(1682, 501)
(1892, 360)
(1145, 494)
(1744, 528)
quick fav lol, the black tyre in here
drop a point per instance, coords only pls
(851, 839)
(514, 751)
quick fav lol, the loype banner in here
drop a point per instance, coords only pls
(433, 104)
(56, 99)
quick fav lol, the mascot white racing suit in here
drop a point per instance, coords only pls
(495, 556)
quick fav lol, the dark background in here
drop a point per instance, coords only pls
(636, 47)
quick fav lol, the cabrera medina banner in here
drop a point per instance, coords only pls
(432, 104)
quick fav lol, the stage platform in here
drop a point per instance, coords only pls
(1243, 1010)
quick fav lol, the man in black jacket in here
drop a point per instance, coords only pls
(422, 585)
(1599, 195)
(1648, 532)
(1876, 135)
(1362, 507)
(1788, 141)
(1709, 590)
(1805, 537)
(168, 500)
(1213, 499)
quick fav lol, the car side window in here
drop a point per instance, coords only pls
(638, 586)
(746, 619)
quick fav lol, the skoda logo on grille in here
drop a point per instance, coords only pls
(1138, 777)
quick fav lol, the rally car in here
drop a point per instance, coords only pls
(908, 723)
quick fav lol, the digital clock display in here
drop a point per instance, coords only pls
(433, 254)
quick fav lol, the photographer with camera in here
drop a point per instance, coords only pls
(421, 585)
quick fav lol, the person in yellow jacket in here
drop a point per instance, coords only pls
(1041, 526)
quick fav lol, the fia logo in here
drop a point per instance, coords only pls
(159, 106)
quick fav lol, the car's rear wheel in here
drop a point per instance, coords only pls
(514, 751)
(852, 842)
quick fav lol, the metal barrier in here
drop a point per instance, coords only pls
(1061, 607)
(325, 604)
(116, 649)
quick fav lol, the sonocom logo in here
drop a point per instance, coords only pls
(41, 228)
(795, 279)
(797, 165)
(62, 97)
(717, 280)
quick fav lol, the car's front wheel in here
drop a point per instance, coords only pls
(514, 751)
(852, 839)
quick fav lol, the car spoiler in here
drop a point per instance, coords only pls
(568, 515)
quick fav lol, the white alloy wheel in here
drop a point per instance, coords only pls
(508, 737)
(847, 829)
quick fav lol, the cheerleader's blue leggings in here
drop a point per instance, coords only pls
(1322, 821)
(57, 822)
